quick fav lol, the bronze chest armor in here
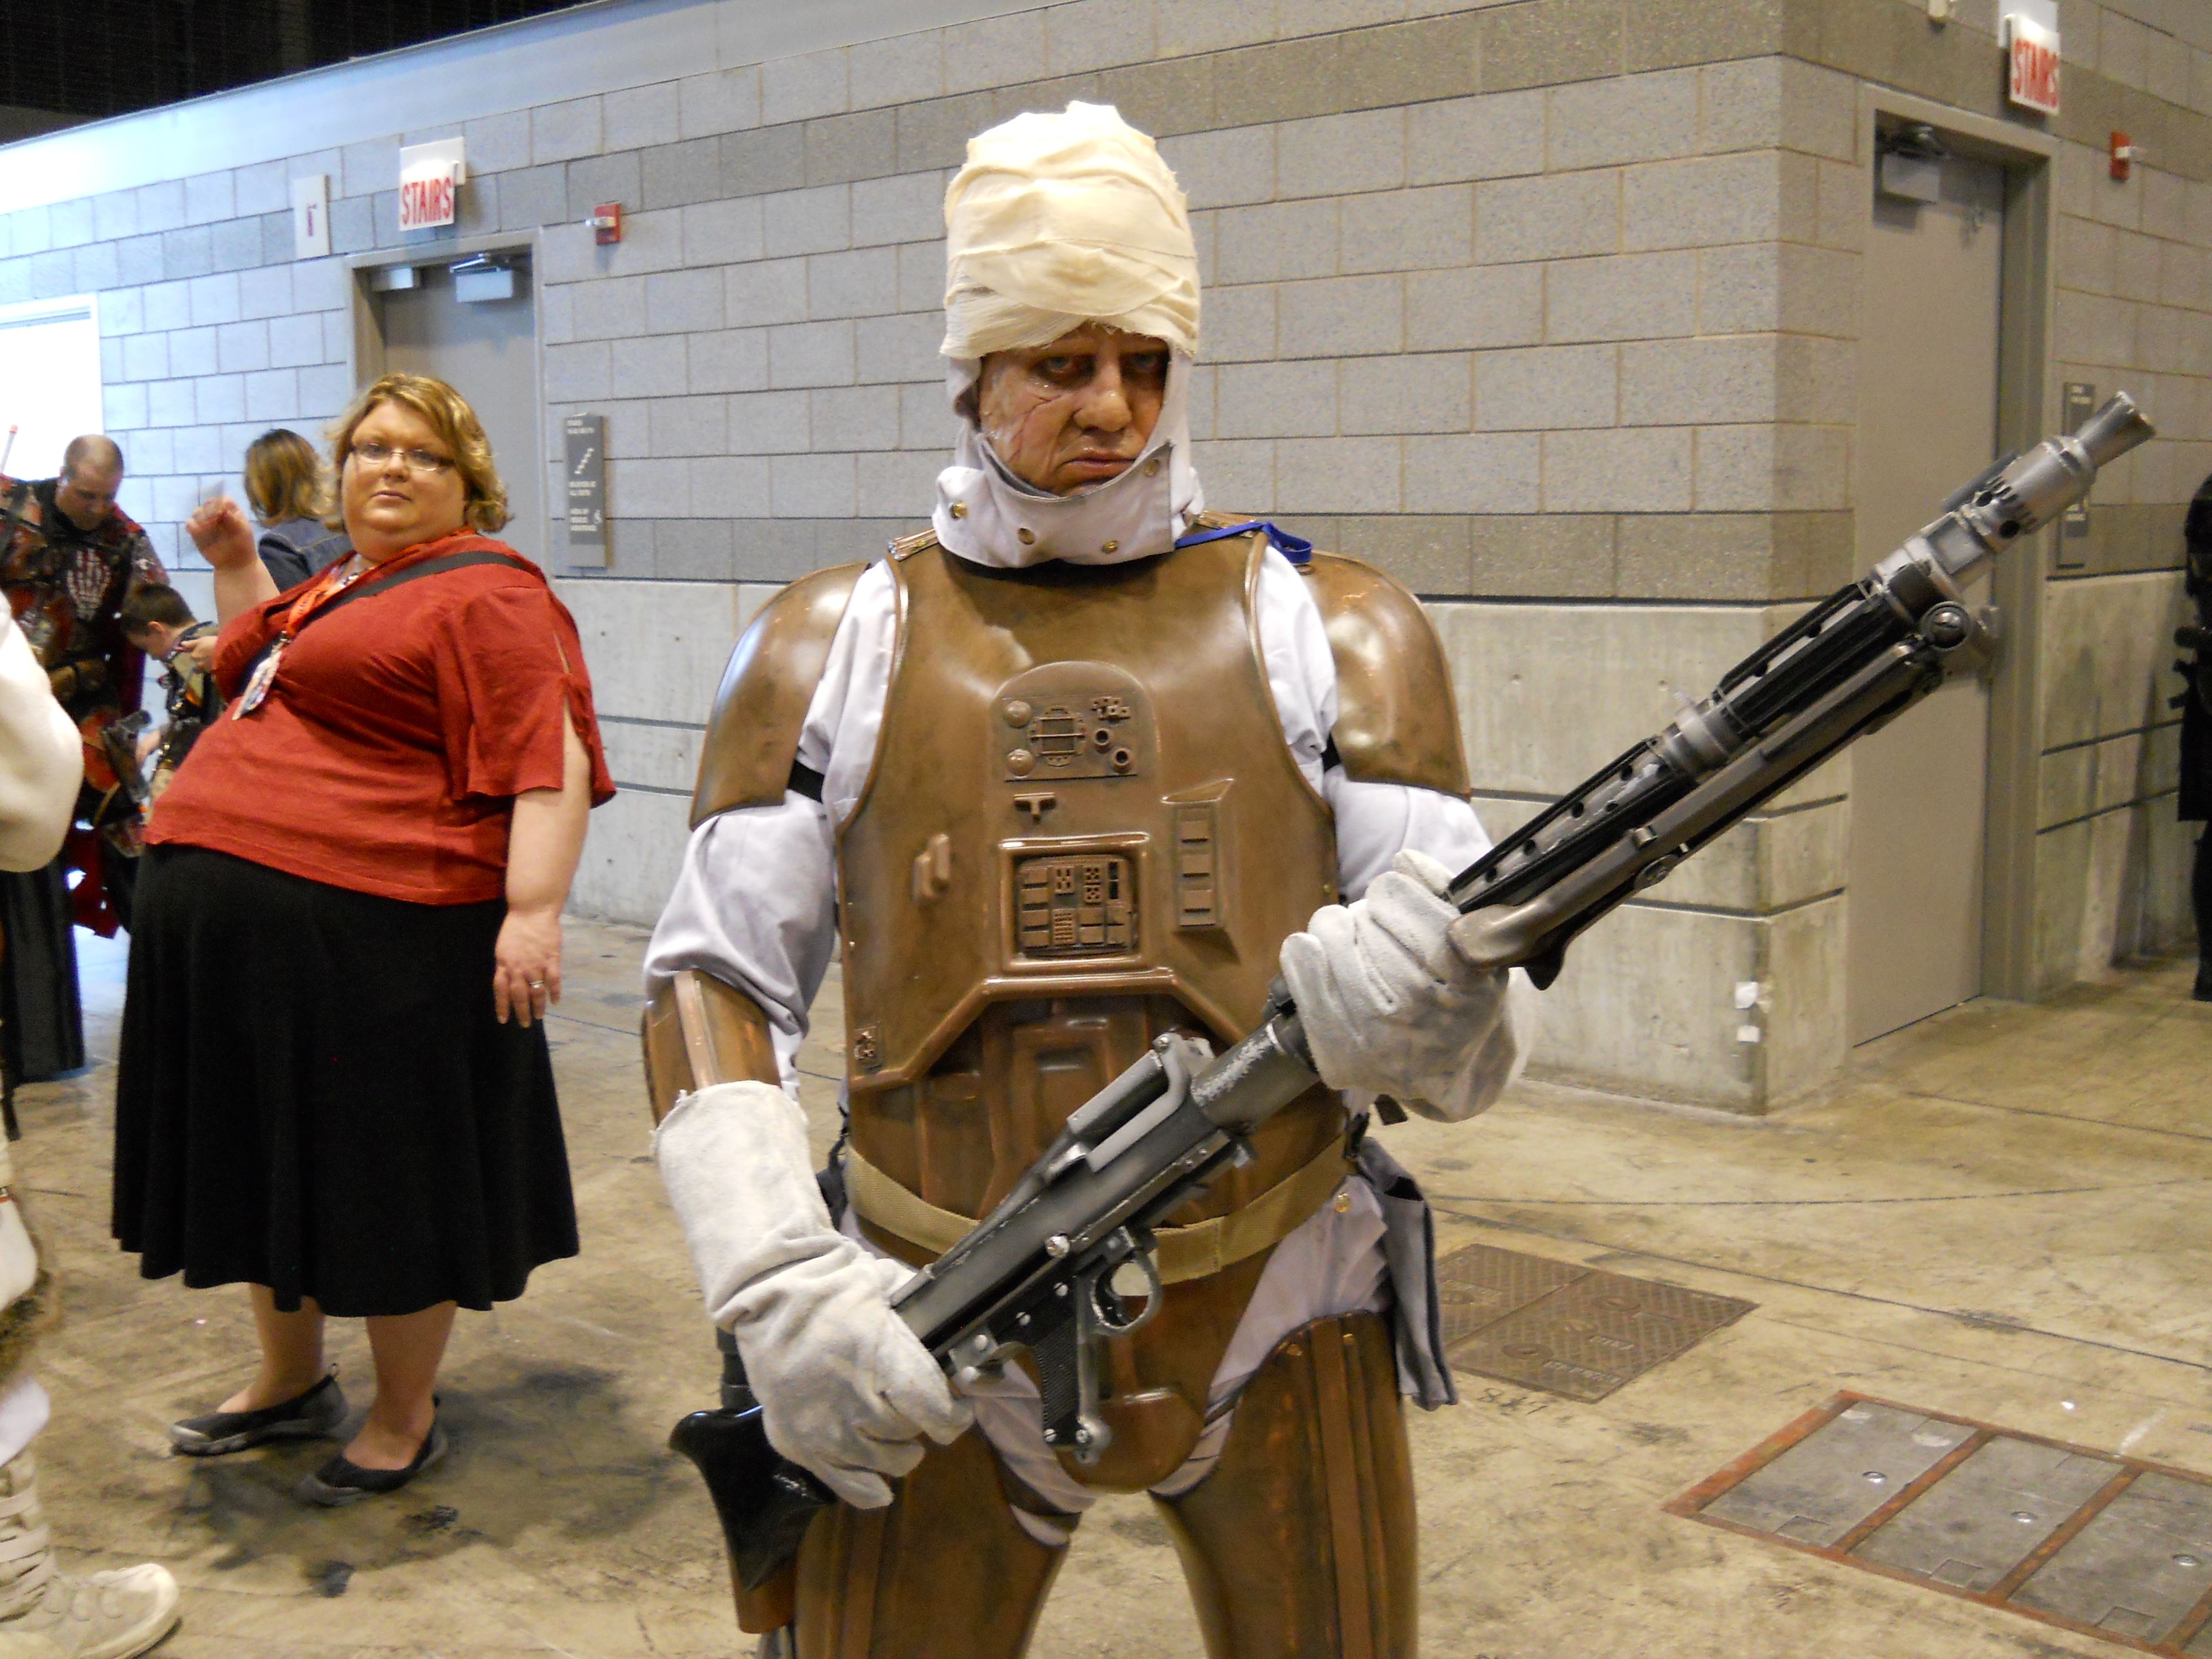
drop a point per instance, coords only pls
(1083, 828)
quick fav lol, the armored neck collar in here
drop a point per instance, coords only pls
(988, 516)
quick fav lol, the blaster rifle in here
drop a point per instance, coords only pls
(1038, 1273)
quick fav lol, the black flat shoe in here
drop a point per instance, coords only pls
(338, 1483)
(314, 1415)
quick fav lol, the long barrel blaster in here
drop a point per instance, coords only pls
(1040, 1271)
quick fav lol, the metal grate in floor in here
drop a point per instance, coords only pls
(2093, 1541)
(1579, 1332)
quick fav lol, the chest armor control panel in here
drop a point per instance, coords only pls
(1083, 828)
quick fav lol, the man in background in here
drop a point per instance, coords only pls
(68, 560)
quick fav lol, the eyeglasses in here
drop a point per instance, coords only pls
(417, 460)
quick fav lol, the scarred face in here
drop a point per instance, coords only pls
(1076, 412)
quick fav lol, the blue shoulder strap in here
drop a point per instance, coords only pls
(1295, 549)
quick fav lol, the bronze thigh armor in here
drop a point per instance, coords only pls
(946, 1569)
(1300, 1542)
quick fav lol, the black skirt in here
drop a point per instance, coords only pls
(41, 1026)
(313, 1095)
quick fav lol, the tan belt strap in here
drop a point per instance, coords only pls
(1192, 1252)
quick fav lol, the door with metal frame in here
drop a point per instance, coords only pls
(478, 333)
(1932, 276)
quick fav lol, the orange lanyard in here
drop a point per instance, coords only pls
(332, 583)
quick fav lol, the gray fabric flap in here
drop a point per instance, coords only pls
(1409, 1245)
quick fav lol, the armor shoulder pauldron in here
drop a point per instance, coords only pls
(752, 736)
(1395, 720)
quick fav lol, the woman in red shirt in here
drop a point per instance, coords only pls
(333, 1083)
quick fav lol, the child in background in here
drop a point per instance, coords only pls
(157, 620)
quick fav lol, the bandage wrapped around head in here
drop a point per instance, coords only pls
(1056, 222)
(1061, 220)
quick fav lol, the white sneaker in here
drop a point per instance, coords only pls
(45, 1614)
(103, 1615)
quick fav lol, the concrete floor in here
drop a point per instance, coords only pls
(2004, 1216)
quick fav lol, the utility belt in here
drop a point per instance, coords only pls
(1184, 1252)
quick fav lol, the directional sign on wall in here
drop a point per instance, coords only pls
(584, 479)
(311, 216)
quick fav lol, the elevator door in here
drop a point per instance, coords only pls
(1928, 421)
(487, 350)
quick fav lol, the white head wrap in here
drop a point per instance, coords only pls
(1057, 220)
(1061, 220)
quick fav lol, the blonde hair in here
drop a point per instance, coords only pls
(285, 477)
(450, 416)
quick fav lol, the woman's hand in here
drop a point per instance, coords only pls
(218, 528)
(525, 975)
(543, 844)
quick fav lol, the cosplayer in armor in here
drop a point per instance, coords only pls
(1071, 769)
(69, 558)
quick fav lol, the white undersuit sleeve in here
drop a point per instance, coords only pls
(755, 905)
(1375, 821)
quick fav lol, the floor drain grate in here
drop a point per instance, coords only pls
(1578, 1332)
(2093, 1541)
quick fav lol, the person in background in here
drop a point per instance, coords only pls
(333, 1084)
(2197, 724)
(285, 487)
(158, 621)
(69, 558)
(117, 1614)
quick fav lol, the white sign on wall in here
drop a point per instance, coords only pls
(311, 216)
(49, 389)
(2029, 31)
(431, 177)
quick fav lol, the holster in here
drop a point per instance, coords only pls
(764, 1505)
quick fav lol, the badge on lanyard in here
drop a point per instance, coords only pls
(264, 676)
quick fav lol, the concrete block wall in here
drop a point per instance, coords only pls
(1520, 343)
(1548, 306)
(2133, 308)
(1647, 1004)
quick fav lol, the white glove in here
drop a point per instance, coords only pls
(1390, 1007)
(846, 1390)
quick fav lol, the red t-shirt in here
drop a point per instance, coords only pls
(399, 728)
